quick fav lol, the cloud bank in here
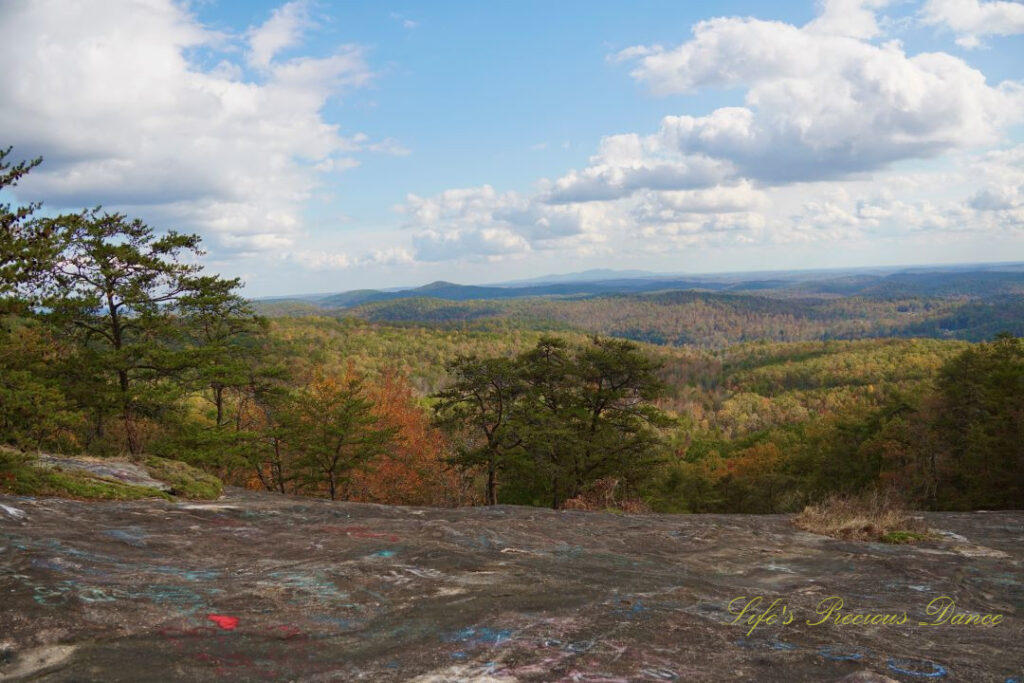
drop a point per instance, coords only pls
(138, 103)
(830, 110)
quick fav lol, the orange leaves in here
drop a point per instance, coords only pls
(756, 461)
(414, 471)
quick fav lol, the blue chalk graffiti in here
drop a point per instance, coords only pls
(480, 636)
(580, 647)
(841, 653)
(752, 644)
(912, 667)
(187, 574)
(133, 536)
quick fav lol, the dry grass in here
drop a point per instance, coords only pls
(871, 517)
(602, 496)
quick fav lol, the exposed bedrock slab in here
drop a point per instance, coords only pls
(105, 468)
(262, 587)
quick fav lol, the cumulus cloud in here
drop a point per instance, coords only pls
(972, 20)
(282, 30)
(136, 104)
(120, 99)
(627, 163)
(482, 222)
(851, 18)
(312, 259)
(822, 102)
(892, 214)
(689, 205)
(999, 201)
(829, 109)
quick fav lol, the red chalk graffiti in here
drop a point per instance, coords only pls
(361, 532)
(225, 622)
(288, 631)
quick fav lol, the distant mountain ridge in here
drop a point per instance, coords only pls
(982, 281)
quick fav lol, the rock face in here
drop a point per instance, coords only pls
(262, 587)
(105, 468)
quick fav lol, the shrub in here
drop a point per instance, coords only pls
(871, 517)
(602, 496)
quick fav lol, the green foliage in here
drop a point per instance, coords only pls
(111, 339)
(127, 297)
(938, 421)
(27, 245)
(185, 481)
(34, 410)
(481, 403)
(981, 394)
(557, 417)
(225, 338)
(717, 320)
(903, 537)
(331, 424)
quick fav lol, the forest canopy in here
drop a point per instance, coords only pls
(113, 341)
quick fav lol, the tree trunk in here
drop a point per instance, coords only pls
(492, 484)
(263, 480)
(278, 473)
(130, 433)
(218, 400)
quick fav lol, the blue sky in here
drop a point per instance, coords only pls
(329, 146)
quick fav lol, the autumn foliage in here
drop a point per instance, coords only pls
(415, 470)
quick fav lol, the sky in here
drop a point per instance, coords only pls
(325, 146)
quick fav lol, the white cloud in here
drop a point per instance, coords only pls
(282, 30)
(665, 207)
(405, 22)
(389, 146)
(136, 104)
(320, 260)
(104, 90)
(495, 243)
(998, 203)
(627, 163)
(480, 221)
(395, 256)
(851, 18)
(972, 20)
(821, 102)
(694, 231)
(830, 110)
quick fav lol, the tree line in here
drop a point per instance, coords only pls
(114, 341)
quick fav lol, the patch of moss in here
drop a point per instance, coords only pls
(20, 476)
(185, 481)
(900, 537)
